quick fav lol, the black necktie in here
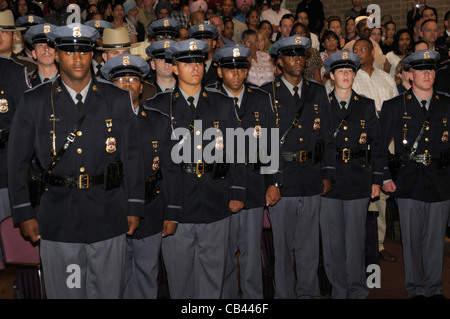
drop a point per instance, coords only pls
(296, 95)
(424, 109)
(343, 105)
(46, 79)
(236, 106)
(79, 97)
(99, 70)
(191, 103)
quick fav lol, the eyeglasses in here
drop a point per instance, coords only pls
(123, 81)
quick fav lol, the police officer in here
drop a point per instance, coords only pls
(307, 147)
(443, 74)
(86, 138)
(43, 52)
(13, 82)
(143, 247)
(359, 175)
(209, 34)
(161, 29)
(417, 120)
(26, 22)
(254, 109)
(213, 186)
(97, 60)
(164, 78)
(7, 38)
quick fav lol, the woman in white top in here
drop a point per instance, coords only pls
(262, 68)
(119, 21)
(401, 46)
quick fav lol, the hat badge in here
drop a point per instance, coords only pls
(97, 23)
(166, 44)
(201, 27)
(166, 23)
(76, 32)
(126, 60)
(426, 55)
(298, 41)
(46, 28)
(236, 52)
(193, 46)
(345, 55)
(30, 19)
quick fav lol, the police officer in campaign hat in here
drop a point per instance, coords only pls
(209, 34)
(13, 82)
(26, 22)
(8, 30)
(143, 247)
(86, 138)
(359, 176)
(212, 182)
(417, 120)
(257, 118)
(307, 148)
(162, 67)
(43, 52)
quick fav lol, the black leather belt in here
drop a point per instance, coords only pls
(425, 159)
(299, 156)
(346, 154)
(82, 181)
(197, 168)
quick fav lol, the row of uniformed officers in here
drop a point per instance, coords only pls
(114, 196)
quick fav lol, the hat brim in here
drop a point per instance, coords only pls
(12, 29)
(424, 66)
(189, 56)
(343, 64)
(118, 47)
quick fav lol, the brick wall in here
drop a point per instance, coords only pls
(396, 8)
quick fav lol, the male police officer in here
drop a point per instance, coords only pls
(359, 175)
(43, 53)
(143, 247)
(254, 109)
(417, 120)
(212, 188)
(86, 137)
(308, 152)
(13, 82)
(164, 79)
(209, 34)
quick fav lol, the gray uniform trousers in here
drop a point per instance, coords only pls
(195, 258)
(423, 228)
(101, 269)
(343, 229)
(245, 236)
(295, 228)
(141, 267)
(5, 211)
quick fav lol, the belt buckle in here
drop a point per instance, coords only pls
(346, 155)
(83, 181)
(426, 158)
(302, 157)
(200, 172)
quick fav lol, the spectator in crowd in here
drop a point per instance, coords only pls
(314, 10)
(440, 42)
(274, 15)
(334, 24)
(228, 30)
(131, 17)
(286, 23)
(196, 18)
(415, 13)
(146, 13)
(375, 35)
(177, 14)
(329, 43)
(385, 19)
(356, 10)
(420, 45)
(228, 10)
(302, 17)
(119, 21)
(243, 8)
(85, 10)
(401, 47)
(217, 21)
(252, 18)
(350, 29)
(402, 77)
(267, 28)
(442, 81)
(59, 16)
(391, 29)
(429, 33)
(262, 68)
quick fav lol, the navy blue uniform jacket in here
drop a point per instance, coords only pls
(72, 214)
(204, 199)
(355, 178)
(415, 180)
(304, 179)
